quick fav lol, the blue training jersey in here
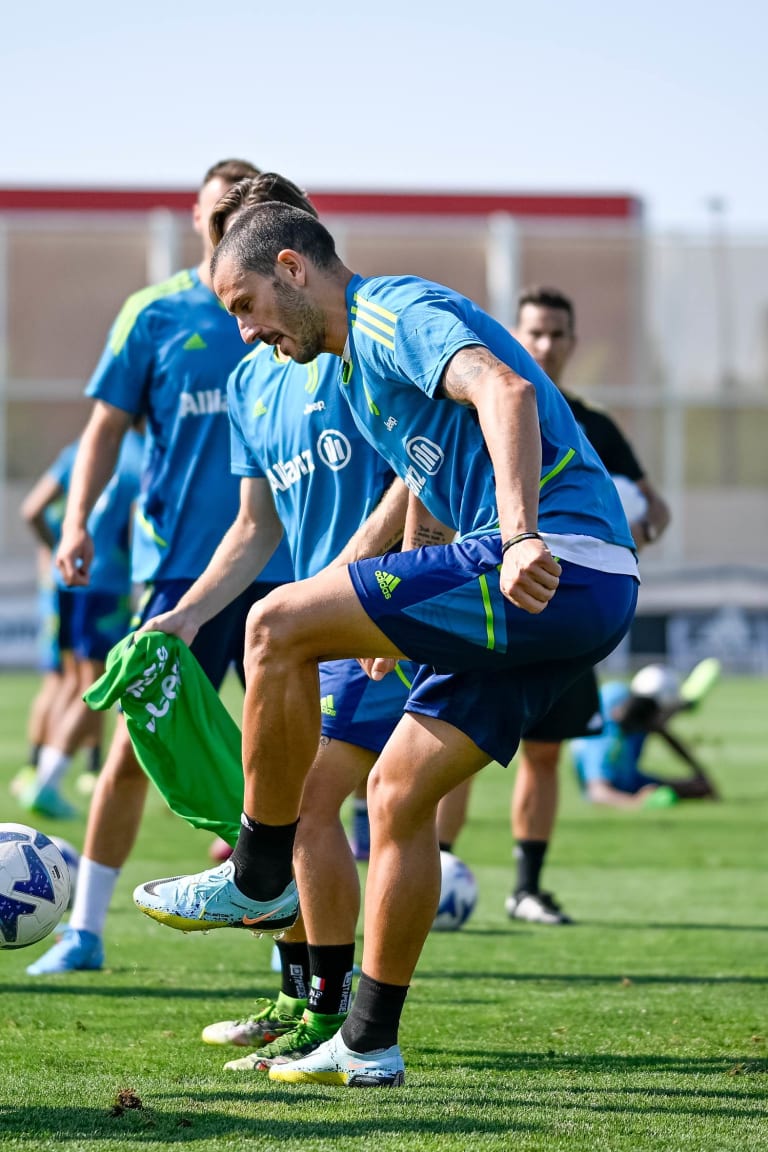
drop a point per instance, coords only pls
(291, 426)
(168, 356)
(614, 755)
(402, 333)
(109, 523)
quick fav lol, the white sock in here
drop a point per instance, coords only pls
(93, 894)
(51, 766)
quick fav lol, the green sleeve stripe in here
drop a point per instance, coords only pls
(402, 676)
(558, 467)
(490, 632)
(149, 529)
(136, 304)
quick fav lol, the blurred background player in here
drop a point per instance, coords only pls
(609, 765)
(546, 328)
(89, 620)
(167, 358)
(43, 510)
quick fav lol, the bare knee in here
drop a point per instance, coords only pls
(539, 756)
(271, 630)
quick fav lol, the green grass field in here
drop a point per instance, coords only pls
(642, 1027)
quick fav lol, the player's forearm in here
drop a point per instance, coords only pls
(383, 529)
(95, 463)
(240, 558)
(422, 529)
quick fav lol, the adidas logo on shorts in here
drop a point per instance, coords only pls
(387, 583)
(327, 706)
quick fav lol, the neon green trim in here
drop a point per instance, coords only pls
(402, 676)
(558, 467)
(313, 377)
(489, 629)
(371, 406)
(136, 304)
(150, 531)
(374, 335)
(376, 307)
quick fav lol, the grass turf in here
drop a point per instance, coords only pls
(642, 1027)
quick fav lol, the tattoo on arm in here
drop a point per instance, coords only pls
(463, 370)
(423, 536)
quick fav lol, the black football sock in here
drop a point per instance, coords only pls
(263, 858)
(294, 965)
(330, 965)
(529, 855)
(375, 1017)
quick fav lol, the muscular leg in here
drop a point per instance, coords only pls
(534, 798)
(117, 804)
(288, 633)
(326, 874)
(423, 760)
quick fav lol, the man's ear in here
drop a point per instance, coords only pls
(293, 267)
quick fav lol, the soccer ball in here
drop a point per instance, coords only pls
(72, 861)
(657, 682)
(34, 885)
(458, 894)
(633, 501)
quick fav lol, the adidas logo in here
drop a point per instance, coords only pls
(327, 706)
(259, 408)
(387, 583)
(195, 343)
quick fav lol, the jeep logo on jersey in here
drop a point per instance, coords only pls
(334, 449)
(425, 454)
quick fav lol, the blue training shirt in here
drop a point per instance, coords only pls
(168, 356)
(614, 755)
(402, 332)
(291, 426)
(109, 523)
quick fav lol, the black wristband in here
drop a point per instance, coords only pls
(516, 540)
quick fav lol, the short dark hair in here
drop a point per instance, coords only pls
(269, 186)
(259, 234)
(230, 171)
(546, 297)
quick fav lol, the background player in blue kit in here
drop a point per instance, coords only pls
(541, 585)
(609, 765)
(91, 619)
(167, 358)
(305, 465)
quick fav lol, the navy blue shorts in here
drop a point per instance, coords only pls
(490, 669)
(221, 641)
(90, 623)
(359, 710)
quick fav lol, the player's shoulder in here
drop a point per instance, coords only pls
(154, 299)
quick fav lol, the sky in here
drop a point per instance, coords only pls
(667, 101)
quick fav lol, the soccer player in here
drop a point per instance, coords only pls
(303, 460)
(541, 585)
(92, 619)
(546, 327)
(609, 765)
(167, 357)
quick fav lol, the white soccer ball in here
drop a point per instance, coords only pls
(458, 894)
(633, 502)
(658, 682)
(34, 885)
(72, 861)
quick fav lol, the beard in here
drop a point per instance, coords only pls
(304, 321)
